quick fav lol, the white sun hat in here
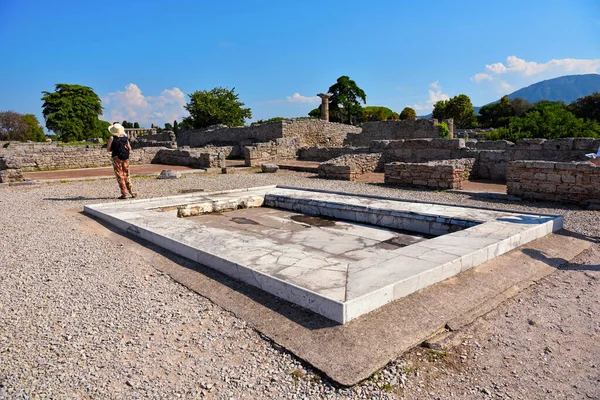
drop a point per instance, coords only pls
(116, 129)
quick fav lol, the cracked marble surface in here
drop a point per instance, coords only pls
(338, 255)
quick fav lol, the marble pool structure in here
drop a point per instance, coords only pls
(337, 254)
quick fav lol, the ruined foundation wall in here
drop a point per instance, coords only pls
(312, 132)
(566, 182)
(350, 166)
(49, 156)
(278, 150)
(444, 174)
(318, 153)
(413, 128)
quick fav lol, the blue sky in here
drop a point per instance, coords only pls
(144, 57)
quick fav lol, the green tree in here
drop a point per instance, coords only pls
(102, 129)
(498, 114)
(34, 131)
(315, 112)
(587, 107)
(549, 120)
(408, 112)
(459, 108)
(136, 125)
(168, 126)
(12, 126)
(175, 127)
(21, 127)
(127, 125)
(345, 103)
(376, 113)
(71, 111)
(217, 106)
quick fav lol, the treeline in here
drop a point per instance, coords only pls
(517, 118)
(20, 127)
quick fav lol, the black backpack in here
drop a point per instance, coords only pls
(120, 149)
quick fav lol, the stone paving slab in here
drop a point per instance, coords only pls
(340, 281)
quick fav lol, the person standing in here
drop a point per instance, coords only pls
(120, 148)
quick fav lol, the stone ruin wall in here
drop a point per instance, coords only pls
(310, 132)
(443, 174)
(318, 153)
(412, 128)
(491, 157)
(50, 156)
(313, 132)
(565, 182)
(278, 150)
(349, 167)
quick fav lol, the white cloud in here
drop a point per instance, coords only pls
(298, 98)
(481, 77)
(505, 85)
(521, 67)
(434, 96)
(131, 105)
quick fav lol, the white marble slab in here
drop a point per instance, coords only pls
(340, 271)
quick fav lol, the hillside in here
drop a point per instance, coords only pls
(564, 88)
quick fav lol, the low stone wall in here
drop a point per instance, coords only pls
(49, 156)
(157, 137)
(444, 174)
(413, 128)
(313, 132)
(278, 150)
(318, 153)
(194, 158)
(153, 143)
(420, 150)
(9, 170)
(310, 132)
(565, 182)
(491, 157)
(350, 166)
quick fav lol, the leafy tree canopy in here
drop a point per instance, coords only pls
(587, 107)
(175, 127)
(345, 103)
(408, 112)
(458, 108)
(22, 127)
(549, 120)
(377, 113)
(498, 114)
(217, 106)
(71, 111)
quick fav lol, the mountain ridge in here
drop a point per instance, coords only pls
(567, 88)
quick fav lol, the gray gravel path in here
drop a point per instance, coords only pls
(82, 318)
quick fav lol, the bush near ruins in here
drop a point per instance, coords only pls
(72, 111)
(444, 130)
(217, 106)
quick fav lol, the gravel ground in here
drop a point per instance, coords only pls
(82, 318)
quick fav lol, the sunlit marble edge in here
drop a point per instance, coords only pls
(357, 302)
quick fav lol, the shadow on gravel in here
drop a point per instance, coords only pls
(296, 314)
(78, 198)
(561, 263)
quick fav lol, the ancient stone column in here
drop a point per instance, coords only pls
(325, 105)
